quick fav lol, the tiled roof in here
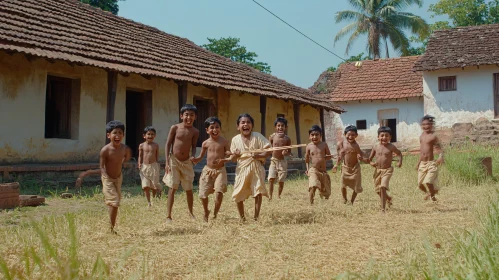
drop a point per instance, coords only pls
(460, 47)
(373, 80)
(78, 33)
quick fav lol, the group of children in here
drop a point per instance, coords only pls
(250, 150)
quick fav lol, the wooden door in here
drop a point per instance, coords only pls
(203, 106)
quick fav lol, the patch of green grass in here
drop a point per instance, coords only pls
(464, 162)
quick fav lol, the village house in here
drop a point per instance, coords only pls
(66, 69)
(373, 93)
(456, 80)
(461, 75)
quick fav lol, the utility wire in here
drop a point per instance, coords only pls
(300, 31)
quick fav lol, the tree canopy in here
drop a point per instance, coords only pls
(230, 48)
(383, 22)
(106, 5)
(460, 13)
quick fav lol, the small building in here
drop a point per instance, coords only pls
(373, 93)
(67, 68)
(461, 75)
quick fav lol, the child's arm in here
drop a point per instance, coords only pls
(102, 162)
(157, 153)
(194, 143)
(168, 147)
(361, 154)
(440, 151)
(373, 153)
(196, 160)
(227, 153)
(327, 152)
(399, 154)
(128, 154)
(141, 156)
(287, 151)
(339, 147)
(307, 158)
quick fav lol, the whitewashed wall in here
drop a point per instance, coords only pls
(472, 99)
(408, 128)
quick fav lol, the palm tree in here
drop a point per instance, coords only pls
(382, 21)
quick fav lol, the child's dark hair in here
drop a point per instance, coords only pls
(281, 120)
(385, 129)
(188, 107)
(428, 117)
(110, 126)
(350, 128)
(315, 128)
(245, 115)
(149, 128)
(211, 120)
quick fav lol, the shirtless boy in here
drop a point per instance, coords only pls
(427, 166)
(112, 157)
(179, 169)
(384, 155)
(278, 163)
(349, 154)
(316, 155)
(214, 176)
(148, 164)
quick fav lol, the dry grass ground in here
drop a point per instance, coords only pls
(291, 240)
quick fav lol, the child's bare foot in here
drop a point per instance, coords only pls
(149, 204)
(113, 231)
(433, 198)
(206, 216)
(345, 201)
(427, 197)
(169, 220)
(193, 217)
(389, 202)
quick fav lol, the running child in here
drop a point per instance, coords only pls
(427, 166)
(250, 173)
(278, 163)
(384, 155)
(180, 149)
(316, 155)
(112, 157)
(214, 176)
(349, 154)
(148, 164)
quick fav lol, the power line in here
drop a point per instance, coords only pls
(300, 31)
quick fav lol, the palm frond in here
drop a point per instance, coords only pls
(416, 24)
(359, 5)
(353, 38)
(345, 30)
(398, 39)
(348, 15)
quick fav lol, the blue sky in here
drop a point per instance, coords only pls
(291, 56)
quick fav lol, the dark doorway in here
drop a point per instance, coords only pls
(204, 112)
(392, 124)
(138, 116)
(496, 95)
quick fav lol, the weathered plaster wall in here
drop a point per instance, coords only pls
(472, 99)
(164, 103)
(408, 128)
(308, 117)
(241, 103)
(22, 111)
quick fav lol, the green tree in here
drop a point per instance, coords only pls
(382, 21)
(352, 58)
(460, 13)
(230, 48)
(106, 5)
(468, 12)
